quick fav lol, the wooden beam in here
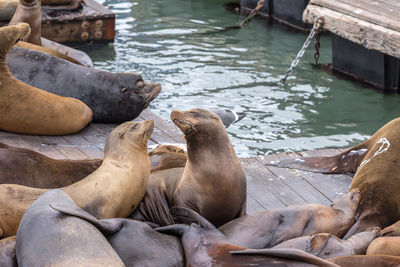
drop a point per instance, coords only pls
(367, 34)
(371, 11)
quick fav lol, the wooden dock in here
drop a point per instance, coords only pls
(267, 187)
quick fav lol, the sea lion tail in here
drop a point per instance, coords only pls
(287, 253)
(185, 215)
(107, 226)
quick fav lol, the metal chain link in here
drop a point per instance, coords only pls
(317, 45)
(317, 25)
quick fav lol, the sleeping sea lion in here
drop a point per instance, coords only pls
(387, 245)
(30, 11)
(267, 228)
(47, 237)
(113, 97)
(205, 245)
(377, 176)
(135, 242)
(7, 252)
(113, 190)
(212, 182)
(325, 245)
(366, 261)
(167, 157)
(29, 110)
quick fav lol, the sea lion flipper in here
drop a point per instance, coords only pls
(346, 162)
(185, 215)
(317, 243)
(108, 226)
(175, 229)
(287, 253)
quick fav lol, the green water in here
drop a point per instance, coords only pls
(240, 70)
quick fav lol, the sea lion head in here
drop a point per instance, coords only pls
(348, 201)
(197, 122)
(129, 135)
(10, 35)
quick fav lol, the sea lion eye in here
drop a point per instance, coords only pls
(198, 115)
(133, 127)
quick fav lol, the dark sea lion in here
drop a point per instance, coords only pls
(366, 261)
(377, 176)
(29, 110)
(113, 190)
(47, 237)
(212, 182)
(325, 245)
(26, 167)
(387, 245)
(30, 11)
(135, 242)
(268, 228)
(7, 252)
(113, 97)
(205, 245)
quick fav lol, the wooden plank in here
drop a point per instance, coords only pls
(253, 205)
(367, 34)
(377, 12)
(266, 183)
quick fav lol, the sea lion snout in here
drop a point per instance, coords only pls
(150, 92)
(180, 120)
(14, 33)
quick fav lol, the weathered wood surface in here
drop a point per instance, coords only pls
(267, 187)
(373, 24)
(92, 22)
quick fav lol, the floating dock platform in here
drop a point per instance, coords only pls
(365, 40)
(267, 187)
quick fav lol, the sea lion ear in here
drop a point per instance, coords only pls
(107, 226)
(185, 215)
(175, 229)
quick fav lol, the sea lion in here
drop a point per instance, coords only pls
(113, 190)
(387, 245)
(366, 261)
(113, 97)
(29, 110)
(392, 230)
(205, 245)
(7, 9)
(135, 242)
(47, 237)
(268, 228)
(26, 167)
(30, 11)
(7, 252)
(212, 182)
(377, 176)
(325, 245)
(167, 157)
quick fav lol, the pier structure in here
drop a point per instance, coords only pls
(365, 38)
(267, 187)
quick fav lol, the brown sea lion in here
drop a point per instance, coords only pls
(366, 261)
(167, 157)
(7, 252)
(325, 245)
(26, 167)
(113, 190)
(29, 110)
(377, 175)
(212, 182)
(135, 242)
(265, 229)
(30, 168)
(47, 237)
(392, 230)
(205, 245)
(387, 245)
(29, 11)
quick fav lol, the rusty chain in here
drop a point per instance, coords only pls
(317, 45)
(252, 13)
(317, 25)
